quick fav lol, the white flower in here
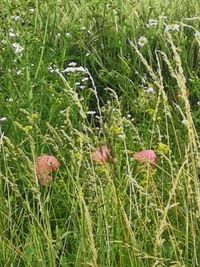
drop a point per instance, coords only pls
(197, 35)
(18, 72)
(17, 48)
(142, 41)
(11, 33)
(67, 34)
(172, 27)
(16, 18)
(152, 23)
(150, 90)
(87, 54)
(3, 119)
(121, 136)
(85, 79)
(74, 69)
(72, 64)
(162, 17)
(91, 112)
(31, 10)
(53, 69)
(193, 18)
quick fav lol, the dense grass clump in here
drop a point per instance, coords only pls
(81, 77)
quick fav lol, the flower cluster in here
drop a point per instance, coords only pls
(142, 41)
(45, 165)
(102, 155)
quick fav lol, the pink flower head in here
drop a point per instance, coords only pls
(44, 179)
(44, 165)
(101, 155)
(146, 156)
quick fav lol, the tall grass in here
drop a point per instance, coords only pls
(128, 96)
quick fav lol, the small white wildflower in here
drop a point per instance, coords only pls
(85, 79)
(17, 48)
(67, 34)
(91, 112)
(142, 41)
(172, 27)
(192, 18)
(15, 18)
(3, 119)
(53, 69)
(10, 100)
(121, 136)
(72, 64)
(162, 17)
(74, 69)
(3, 42)
(198, 103)
(100, 132)
(87, 55)
(11, 33)
(83, 28)
(152, 23)
(150, 90)
(197, 35)
(128, 116)
(18, 72)
(50, 69)
(31, 10)
(82, 87)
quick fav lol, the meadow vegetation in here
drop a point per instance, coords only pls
(80, 74)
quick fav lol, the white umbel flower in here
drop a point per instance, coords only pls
(17, 48)
(142, 41)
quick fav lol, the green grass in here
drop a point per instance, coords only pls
(121, 214)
